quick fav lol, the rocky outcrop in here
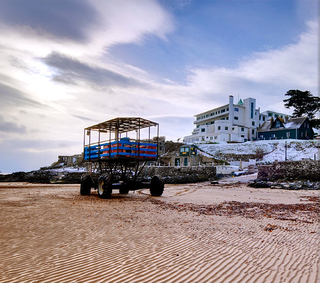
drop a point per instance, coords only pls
(297, 185)
(43, 177)
(181, 175)
(290, 170)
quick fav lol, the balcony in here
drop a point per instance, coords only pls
(215, 117)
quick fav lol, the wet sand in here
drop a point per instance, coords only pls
(193, 233)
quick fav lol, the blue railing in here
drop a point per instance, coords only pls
(122, 148)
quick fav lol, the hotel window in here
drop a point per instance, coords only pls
(203, 130)
(253, 132)
(252, 123)
(226, 128)
(236, 109)
(219, 128)
(252, 110)
(236, 118)
(242, 129)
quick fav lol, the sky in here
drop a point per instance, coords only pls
(69, 64)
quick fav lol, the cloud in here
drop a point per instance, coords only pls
(132, 21)
(72, 71)
(85, 118)
(289, 64)
(264, 75)
(13, 97)
(68, 19)
(9, 127)
(80, 28)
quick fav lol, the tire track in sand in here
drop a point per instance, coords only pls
(88, 240)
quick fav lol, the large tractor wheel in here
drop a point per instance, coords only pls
(105, 186)
(156, 186)
(85, 185)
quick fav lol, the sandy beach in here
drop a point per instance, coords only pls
(226, 232)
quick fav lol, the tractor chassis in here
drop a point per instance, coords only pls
(122, 174)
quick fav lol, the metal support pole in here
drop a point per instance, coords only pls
(89, 145)
(84, 142)
(157, 141)
(99, 149)
(109, 143)
(285, 151)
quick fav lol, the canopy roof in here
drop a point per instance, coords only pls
(122, 125)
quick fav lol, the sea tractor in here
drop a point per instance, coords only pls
(117, 152)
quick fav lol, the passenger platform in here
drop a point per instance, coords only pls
(122, 148)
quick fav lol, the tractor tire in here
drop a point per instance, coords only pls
(156, 186)
(85, 185)
(105, 187)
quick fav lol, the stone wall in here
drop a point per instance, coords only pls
(295, 170)
(179, 175)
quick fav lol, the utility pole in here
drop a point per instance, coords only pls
(285, 151)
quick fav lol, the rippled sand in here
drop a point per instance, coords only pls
(193, 233)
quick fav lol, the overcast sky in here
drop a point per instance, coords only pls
(66, 65)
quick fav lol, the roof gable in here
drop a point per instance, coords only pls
(277, 124)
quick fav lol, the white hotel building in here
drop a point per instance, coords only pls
(230, 122)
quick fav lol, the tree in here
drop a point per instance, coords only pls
(304, 104)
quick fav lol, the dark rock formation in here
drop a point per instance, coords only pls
(43, 177)
(290, 170)
(285, 185)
